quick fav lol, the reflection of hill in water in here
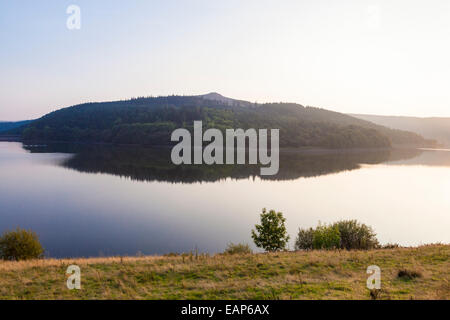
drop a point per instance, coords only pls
(151, 164)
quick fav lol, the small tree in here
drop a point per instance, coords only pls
(20, 245)
(305, 239)
(271, 234)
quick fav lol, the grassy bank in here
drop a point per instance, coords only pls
(287, 275)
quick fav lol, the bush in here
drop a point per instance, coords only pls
(346, 234)
(355, 235)
(326, 237)
(271, 234)
(240, 248)
(20, 245)
(304, 239)
(390, 246)
(323, 237)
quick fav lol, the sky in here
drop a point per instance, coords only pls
(354, 56)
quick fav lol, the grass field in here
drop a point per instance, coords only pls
(286, 275)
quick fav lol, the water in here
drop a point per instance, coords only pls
(104, 200)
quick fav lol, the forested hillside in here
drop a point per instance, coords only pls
(9, 125)
(151, 120)
(431, 128)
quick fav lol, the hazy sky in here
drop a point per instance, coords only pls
(378, 57)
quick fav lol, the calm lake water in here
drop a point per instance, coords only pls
(105, 200)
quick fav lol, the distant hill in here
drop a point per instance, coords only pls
(8, 125)
(431, 128)
(214, 96)
(150, 121)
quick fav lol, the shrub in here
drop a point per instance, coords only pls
(240, 248)
(271, 234)
(390, 246)
(355, 235)
(20, 245)
(323, 237)
(342, 234)
(304, 239)
(326, 237)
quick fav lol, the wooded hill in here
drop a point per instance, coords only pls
(9, 125)
(430, 128)
(151, 120)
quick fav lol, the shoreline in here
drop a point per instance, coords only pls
(7, 138)
(307, 150)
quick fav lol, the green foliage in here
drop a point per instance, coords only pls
(20, 245)
(355, 235)
(305, 239)
(271, 234)
(345, 234)
(240, 248)
(326, 237)
(149, 121)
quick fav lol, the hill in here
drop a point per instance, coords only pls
(151, 120)
(9, 125)
(430, 128)
(228, 101)
(281, 275)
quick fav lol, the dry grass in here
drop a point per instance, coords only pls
(287, 275)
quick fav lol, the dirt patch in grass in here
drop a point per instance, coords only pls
(406, 274)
